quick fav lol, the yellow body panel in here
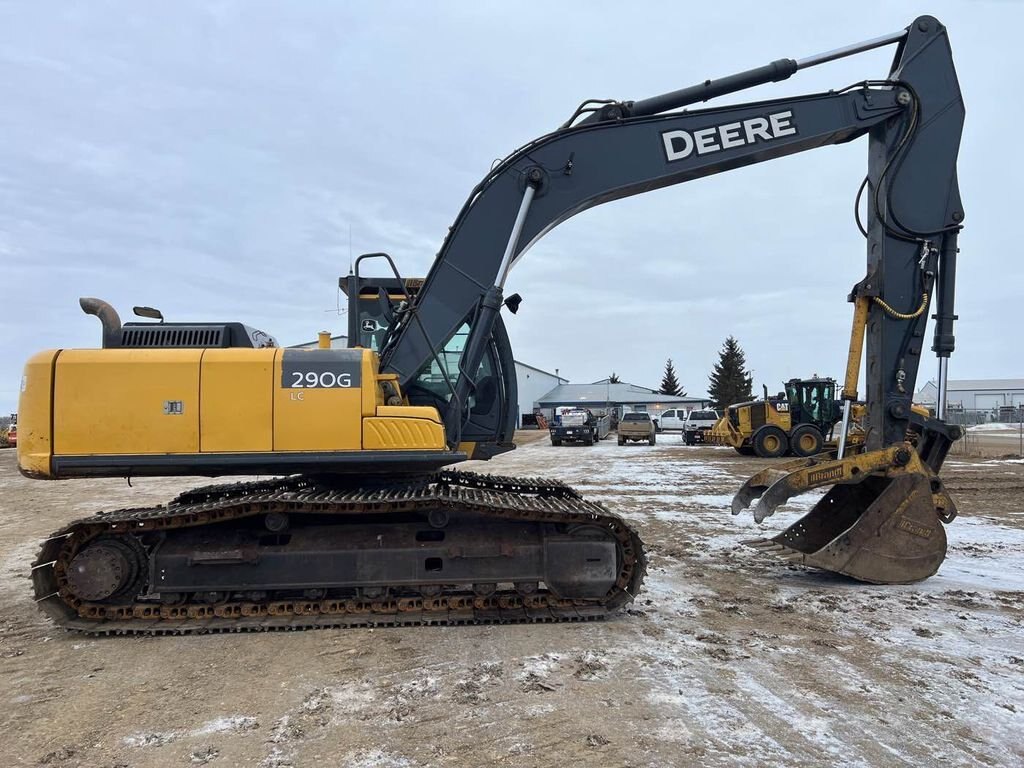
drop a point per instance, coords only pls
(403, 428)
(115, 401)
(321, 419)
(410, 412)
(35, 442)
(123, 402)
(373, 398)
(236, 400)
(772, 416)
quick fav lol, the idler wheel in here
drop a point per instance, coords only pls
(101, 570)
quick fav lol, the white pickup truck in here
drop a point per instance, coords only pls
(697, 428)
(669, 421)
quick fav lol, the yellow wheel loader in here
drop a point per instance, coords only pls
(360, 519)
(799, 422)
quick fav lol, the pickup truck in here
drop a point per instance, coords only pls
(578, 425)
(635, 427)
(697, 428)
(669, 421)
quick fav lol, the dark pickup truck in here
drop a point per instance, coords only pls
(579, 426)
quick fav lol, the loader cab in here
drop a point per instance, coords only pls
(812, 401)
(372, 304)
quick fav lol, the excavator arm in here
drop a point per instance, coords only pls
(913, 118)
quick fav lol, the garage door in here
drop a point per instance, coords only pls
(987, 402)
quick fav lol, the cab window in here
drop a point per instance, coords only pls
(432, 376)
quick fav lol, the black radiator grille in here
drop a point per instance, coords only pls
(157, 336)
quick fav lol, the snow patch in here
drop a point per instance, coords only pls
(373, 758)
(227, 725)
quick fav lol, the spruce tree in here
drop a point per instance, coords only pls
(731, 382)
(669, 382)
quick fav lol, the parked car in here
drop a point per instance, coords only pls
(635, 427)
(670, 421)
(697, 428)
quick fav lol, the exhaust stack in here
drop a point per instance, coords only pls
(109, 318)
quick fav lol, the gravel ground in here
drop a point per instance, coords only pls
(728, 657)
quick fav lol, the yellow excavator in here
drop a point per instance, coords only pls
(363, 521)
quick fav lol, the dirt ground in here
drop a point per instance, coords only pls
(728, 657)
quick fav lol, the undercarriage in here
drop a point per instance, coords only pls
(300, 552)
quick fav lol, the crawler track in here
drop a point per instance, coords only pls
(523, 499)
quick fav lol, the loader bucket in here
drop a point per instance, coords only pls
(881, 527)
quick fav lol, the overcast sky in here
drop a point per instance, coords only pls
(216, 160)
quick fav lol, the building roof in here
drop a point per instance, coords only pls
(602, 382)
(565, 394)
(541, 370)
(957, 385)
(981, 385)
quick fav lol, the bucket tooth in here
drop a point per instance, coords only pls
(796, 477)
(760, 482)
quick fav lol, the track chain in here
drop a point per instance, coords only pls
(528, 499)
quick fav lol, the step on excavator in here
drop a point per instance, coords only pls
(362, 520)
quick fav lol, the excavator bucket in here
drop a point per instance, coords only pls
(882, 522)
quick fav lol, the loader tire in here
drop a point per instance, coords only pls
(770, 442)
(745, 450)
(805, 440)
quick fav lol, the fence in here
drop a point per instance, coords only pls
(989, 432)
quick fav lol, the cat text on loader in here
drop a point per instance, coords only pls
(367, 526)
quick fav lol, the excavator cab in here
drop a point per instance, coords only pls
(374, 306)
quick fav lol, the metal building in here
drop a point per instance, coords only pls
(616, 399)
(976, 394)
